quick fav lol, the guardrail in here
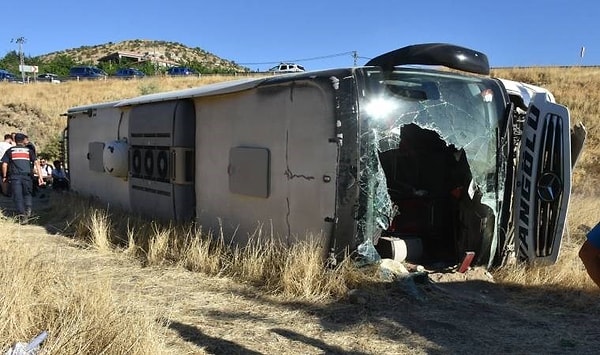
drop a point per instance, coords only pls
(59, 79)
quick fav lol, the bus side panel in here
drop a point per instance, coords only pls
(266, 159)
(105, 125)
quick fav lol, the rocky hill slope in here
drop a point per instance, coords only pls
(163, 50)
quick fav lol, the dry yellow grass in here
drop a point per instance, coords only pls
(42, 104)
(296, 271)
(54, 100)
(578, 89)
(79, 311)
(86, 302)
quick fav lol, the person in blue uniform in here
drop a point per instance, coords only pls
(590, 254)
(17, 162)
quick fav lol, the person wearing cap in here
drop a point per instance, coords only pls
(16, 169)
(590, 254)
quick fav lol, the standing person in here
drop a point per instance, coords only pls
(4, 145)
(590, 254)
(34, 173)
(16, 168)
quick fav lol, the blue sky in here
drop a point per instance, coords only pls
(318, 34)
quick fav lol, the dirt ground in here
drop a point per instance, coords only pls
(442, 313)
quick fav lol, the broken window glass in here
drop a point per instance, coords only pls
(436, 134)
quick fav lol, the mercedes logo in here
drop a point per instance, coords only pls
(549, 187)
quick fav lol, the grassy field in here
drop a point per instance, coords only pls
(101, 282)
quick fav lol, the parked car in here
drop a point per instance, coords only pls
(129, 73)
(181, 71)
(5, 75)
(87, 72)
(287, 68)
(49, 77)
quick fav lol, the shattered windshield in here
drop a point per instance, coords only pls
(464, 111)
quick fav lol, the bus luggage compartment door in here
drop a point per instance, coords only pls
(159, 133)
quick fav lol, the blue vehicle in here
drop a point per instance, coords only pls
(129, 73)
(87, 72)
(181, 71)
(7, 76)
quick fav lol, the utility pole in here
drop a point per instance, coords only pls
(20, 41)
(355, 57)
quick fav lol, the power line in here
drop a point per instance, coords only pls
(301, 60)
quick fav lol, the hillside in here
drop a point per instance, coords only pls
(37, 109)
(162, 50)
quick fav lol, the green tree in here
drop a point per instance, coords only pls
(10, 62)
(149, 68)
(53, 149)
(59, 65)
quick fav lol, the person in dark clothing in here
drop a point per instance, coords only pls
(16, 168)
(60, 180)
(34, 173)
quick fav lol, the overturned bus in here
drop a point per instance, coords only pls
(399, 158)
